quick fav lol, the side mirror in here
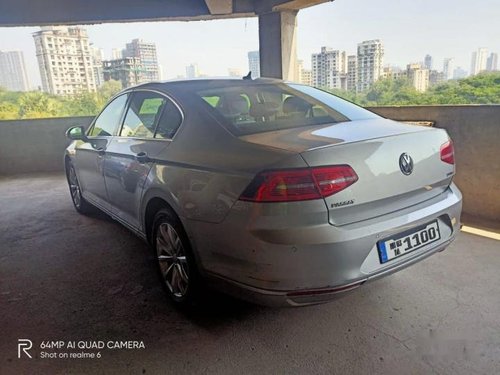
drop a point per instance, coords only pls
(77, 133)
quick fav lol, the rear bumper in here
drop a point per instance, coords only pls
(323, 262)
(306, 297)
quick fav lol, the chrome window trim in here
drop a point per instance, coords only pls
(168, 97)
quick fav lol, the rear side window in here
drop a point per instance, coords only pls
(143, 114)
(263, 107)
(107, 122)
(170, 121)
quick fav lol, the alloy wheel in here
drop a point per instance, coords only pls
(172, 259)
(74, 187)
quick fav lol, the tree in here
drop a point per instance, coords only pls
(480, 89)
(83, 104)
(8, 111)
(36, 104)
(109, 89)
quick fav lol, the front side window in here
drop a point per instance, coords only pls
(143, 114)
(107, 122)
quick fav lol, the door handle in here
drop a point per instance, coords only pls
(101, 151)
(142, 157)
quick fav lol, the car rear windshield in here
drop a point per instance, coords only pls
(260, 107)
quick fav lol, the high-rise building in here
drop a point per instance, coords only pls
(192, 71)
(428, 62)
(300, 65)
(305, 75)
(418, 76)
(459, 73)
(254, 63)
(116, 54)
(448, 67)
(97, 57)
(127, 70)
(329, 68)
(436, 77)
(370, 63)
(478, 61)
(146, 53)
(492, 62)
(352, 72)
(64, 60)
(13, 71)
(393, 72)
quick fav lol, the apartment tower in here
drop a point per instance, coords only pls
(13, 75)
(329, 68)
(370, 63)
(478, 61)
(448, 67)
(146, 53)
(65, 60)
(254, 63)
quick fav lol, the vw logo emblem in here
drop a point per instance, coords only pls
(406, 164)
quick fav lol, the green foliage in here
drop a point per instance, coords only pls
(8, 111)
(37, 104)
(480, 89)
(109, 89)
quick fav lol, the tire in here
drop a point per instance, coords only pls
(79, 202)
(176, 265)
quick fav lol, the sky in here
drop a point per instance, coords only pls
(409, 29)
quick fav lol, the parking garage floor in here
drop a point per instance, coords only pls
(67, 277)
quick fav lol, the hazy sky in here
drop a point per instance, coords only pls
(409, 29)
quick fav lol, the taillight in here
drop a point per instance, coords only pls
(299, 184)
(447, 153)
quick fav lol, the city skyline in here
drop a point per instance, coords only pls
(330, 68)
(354, 22)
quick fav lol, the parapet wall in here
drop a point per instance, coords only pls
(33, 146)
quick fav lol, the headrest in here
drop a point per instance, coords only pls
(234, 106)
(295, 104)
(239, 104)
(263, 109)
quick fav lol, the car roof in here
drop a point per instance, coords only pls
(204, 82)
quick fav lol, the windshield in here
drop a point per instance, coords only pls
(257, 108)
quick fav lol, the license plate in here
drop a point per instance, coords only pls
(408, 241)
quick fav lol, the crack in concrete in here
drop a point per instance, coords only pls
(400, 341)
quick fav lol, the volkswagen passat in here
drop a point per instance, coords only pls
(275, 192)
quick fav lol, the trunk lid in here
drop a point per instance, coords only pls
(373, 149)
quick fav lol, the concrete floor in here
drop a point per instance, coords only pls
(64, 276)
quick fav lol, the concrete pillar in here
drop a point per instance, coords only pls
(277, 45)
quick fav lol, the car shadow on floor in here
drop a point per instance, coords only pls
(214, 310)
(217, 309)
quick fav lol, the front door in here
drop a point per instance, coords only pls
(90, 156)
(146, 132)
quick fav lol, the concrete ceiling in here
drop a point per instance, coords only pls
(54, 12)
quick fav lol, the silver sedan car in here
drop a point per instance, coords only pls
(275, 192)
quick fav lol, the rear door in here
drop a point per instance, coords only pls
(150, 122)
(90, 156)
